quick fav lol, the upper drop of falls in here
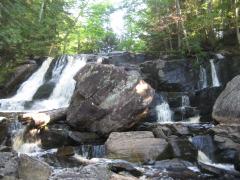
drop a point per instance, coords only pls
(215, 80)
(203, 78)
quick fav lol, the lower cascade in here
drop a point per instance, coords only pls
(164, 113)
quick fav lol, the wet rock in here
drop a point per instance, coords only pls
(108, 99)
(237, 162)
(120, 165)
(226, 108)
(8, 165)
(172, 76)
(85, 137)
(30, 168)
(219, 172)
(183, 149)
(175, 169)
(65, 151)
(94, 172)
(54, 136)
(136, 146)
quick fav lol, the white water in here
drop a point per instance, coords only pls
(164, 113)
(62, 74)
(185, 101)
(64, 88)
(203, 78)
(215, 80)
(26, 90)
(202, 157)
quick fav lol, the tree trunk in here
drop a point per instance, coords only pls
(38, 120)
(236, 20)
(182, 24)
(41, 11)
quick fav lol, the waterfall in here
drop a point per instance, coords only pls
(185, 101)
(203, 78)
(215, 80)
(203, 158)
(62, 75)
(64, 88)
(26, 90)
(164, 113)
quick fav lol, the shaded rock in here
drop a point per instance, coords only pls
(172, 76)
(226, 108)
(8, 165)
(120, 165)
(30, 168)
(136, 146)
(65, 151)
(4, 131)
(108, 99)
(85, 137)
(183, 149)
(55, 136)
(20, 75)
(204, 100)
(237, 162)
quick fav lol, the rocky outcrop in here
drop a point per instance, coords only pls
(227, 106)
(172, 76)
(136, 146)
(20, 75)
(107, 99)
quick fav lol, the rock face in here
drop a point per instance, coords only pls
(172, 76)
(20, 75)
(108, 99)
(227, 106)
(135, 146)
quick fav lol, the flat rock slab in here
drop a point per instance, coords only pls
(136, 146)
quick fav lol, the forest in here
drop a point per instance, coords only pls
(184, 28)
(53, 27)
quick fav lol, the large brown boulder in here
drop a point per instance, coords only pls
(107, 99)
(226, 109)
(136, 146)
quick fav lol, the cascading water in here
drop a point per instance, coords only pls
(63, 91)
(185, 101)
(215, 80)
(164, 113)
(62, 75)
(26, 90)
(203, 78)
